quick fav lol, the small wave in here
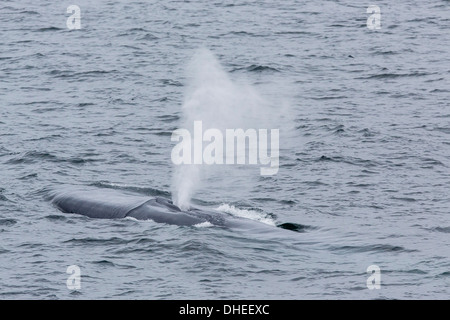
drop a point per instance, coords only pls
(149, 37)
(406, 199)
(105, 263)
(67, 74)
(128, 293)
(163, 99)
(248, 214)
(32, 157)
(7, 222)
(28, 176)
(132, 31)
(42, 110)
(85, 104)
(350, 160)
(315, 183)
(137, 29)
(329, 97)
(38, 156)
(442, 229)
(171, 82)
(240, 33)
(29, 12)
(41, 102)
(370, 248)
(168, 118)
(443, 129)
(163, 133)
(440, 90)
(334, 128)
(367, 133)
(45, 138)
(95, 241)
(31, 245)
(193, 246)
(384, 53)
(288, 202)
(263, 199)
(430, 163)
(48, 29)
(54, 217)
(257, 68)
(395, 75)
(295, 32)
(3, 150)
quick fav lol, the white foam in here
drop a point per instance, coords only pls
(205, 224)
(248, 214)
(131, 218)
(137, 220)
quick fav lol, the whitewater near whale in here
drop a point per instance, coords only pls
(113, 204)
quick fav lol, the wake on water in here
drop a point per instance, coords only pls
(248, 214)
(241, 213)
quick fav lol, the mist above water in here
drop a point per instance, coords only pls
(220, 103)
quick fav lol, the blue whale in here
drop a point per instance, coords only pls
(112, 204)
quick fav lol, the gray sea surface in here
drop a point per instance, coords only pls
(364, 119)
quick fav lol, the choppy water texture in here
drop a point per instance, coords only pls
(365, 148)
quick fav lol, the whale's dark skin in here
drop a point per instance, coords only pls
(112, 204)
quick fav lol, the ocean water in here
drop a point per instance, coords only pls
(364, 119)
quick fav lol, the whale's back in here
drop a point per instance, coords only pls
(108, 204)
(112, 204)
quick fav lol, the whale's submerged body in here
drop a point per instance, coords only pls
(112, 204)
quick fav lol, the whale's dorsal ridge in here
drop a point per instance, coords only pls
(168, 203)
